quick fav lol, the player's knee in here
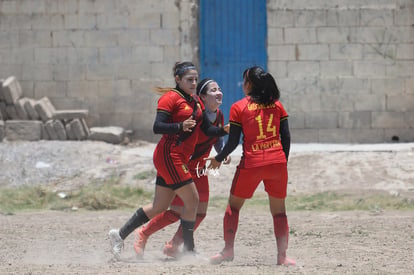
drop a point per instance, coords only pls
(192, 203)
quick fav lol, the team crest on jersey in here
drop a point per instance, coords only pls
(185, 169)
(186, 107)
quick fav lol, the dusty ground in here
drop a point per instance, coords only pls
(353, 242)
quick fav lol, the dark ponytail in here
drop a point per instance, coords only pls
(264, 89)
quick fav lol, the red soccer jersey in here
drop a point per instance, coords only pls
(260, 125)
(205, 143)
(180, 108)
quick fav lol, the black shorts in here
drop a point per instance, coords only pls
(161, 182)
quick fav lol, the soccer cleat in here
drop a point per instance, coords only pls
(139, 242)
(171, 250)
(223, 256)
(285, 261)
(116, 243)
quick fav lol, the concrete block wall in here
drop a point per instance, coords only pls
(104, 56)
(345, 68)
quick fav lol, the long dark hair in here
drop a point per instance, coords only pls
(264, 89)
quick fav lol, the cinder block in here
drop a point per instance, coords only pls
(301, 69)
(51, 130)
(355, 120)
(3, 110)
(300, 35)
(388, 120)
(45, 135)
(29, 106)
(335, 68)
(69, 133)
(366, 135)
(382, 18)
(21, 112)
(400, 103)
(59, 129)
(77, 129)
(315, 52)
(304, 135)
(282, 52)
(344, 51)
(2, 132)
(70, 114)
(339, 135)
(11, 112)
(44, 108)
(85, 127)
(329, 35)
(310, 18)
(342, 18)
(369, 102)
(321, 120)
(30, 130)
(1, 90)
(110, 134)
(11, 90)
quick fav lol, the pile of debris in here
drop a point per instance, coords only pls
(23, 118)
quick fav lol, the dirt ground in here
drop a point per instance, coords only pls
(349, 242)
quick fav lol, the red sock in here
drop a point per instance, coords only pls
(230, 224)
(160, 221)
(281, 229)
(280, 224)
(178, 237)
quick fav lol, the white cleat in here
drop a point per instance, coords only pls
(116, 243)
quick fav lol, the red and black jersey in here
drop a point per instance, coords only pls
(179, 107)
(260, 125)
(205, 143)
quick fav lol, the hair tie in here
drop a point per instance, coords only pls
(182, 70)
(247, 74)
(204, 85)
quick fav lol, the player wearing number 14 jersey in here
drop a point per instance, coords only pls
(266, 142)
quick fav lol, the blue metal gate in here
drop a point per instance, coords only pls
(233, 36)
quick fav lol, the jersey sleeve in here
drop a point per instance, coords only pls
(166, 103)
(283, 113)
(235, 115)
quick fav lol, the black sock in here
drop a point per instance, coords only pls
(138, 219)
(188, 234)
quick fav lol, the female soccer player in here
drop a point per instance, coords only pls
(179, 117)
(266, 143)
(210, 94)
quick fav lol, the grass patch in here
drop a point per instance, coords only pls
(218, 202)
(145, 175)
(91, 197)
(336, 201)
(111, 195)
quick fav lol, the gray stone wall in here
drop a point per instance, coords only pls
(345, 68)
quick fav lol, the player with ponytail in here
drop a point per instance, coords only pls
(266, 144)
(210, 94)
